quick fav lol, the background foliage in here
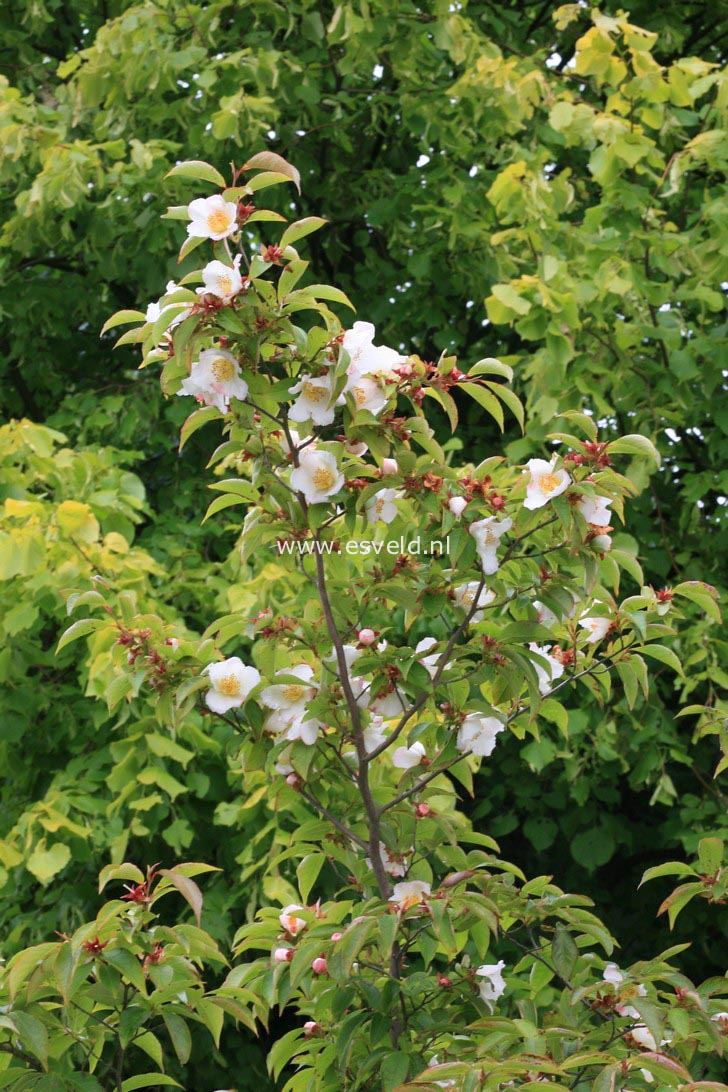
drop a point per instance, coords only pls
(491, 190)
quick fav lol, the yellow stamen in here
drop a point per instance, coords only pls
(314, 393)
(360, 396)
(225, 284)
(549, 483)
(218, 221)
(293, 692)
(223, 369)
(229, 686)
(323, 478)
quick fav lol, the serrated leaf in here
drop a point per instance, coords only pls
(301, 228)
(270, 161)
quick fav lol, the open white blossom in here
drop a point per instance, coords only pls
(223, 281)
(367, 393)
(545, 484)
(314, 402)
(547, 675)
(595, 510)
(366, 358)
(214, 379)
(290, 698)
(410, 893)
(290, 922)
(380, 508)
(212, 218)
(487, 534)
(493, 985)
(318, 476)
(465, 596)
(304, 728)
(478, 734)
(230, 683)
(374, 735)
(597, 628)
(406, 758)
(394, 863)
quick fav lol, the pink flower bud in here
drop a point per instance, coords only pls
(423, 810)
(457, 505)
(319, 965)
(389, 466)
(283, 955)
(310, 1028)
(293, 780)
(367, 636)
(336, 936)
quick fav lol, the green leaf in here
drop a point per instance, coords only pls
(120, 318)
(269, 161)
(47, 863)
(80, 628)
(187, 888)
(148, 1080)
(197, 169)
(125, 871)
(485, 399)
(394, 1070)
(710, 855)
(564, 952)
(196, 420)
(635, 444)
(678, 899)
(664, 656)
(301, 228)
(179, 1033)
(33, 1035)
(669, 868)
(307, 873)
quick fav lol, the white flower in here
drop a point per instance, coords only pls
(613, 975)
(465, 595)
(493, 985)
(304, 728)
(366, 358)
(428, 662)
(545, 615)
(318, 476)
(549, 674)
(406, 758)
(231, 682)
(356, 448)
(597, 628)
(545, 484)
(374, 735)
(214, 379)
(457, 505)
(381, 507)
(367, 393)
(394, 863)
(221, 280)
(389, 705)
(390, 466)
(289, 921)
(477, 734)
(212, 218)
(487, 534)
(595, 510)
(411, 893)
(315, 394)
(290, 698)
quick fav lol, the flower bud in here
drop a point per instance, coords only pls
(319, 965)
(367, 636)
(283, 955)
(457, 505)
(423, 810)
(293, 779)
(336, 936)
(389, 466)
(310, 1028)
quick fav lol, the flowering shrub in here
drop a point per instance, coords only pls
(435, 612)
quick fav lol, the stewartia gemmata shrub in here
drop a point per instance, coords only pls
(433, 612)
